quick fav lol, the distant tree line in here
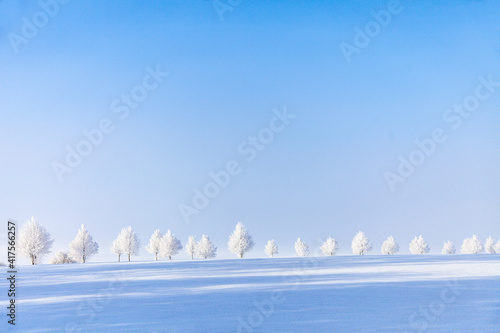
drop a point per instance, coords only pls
(35, 243)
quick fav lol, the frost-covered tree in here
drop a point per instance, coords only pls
(240, 241)
(389, 246)
(419, 246)
(155, 243)
(472, 246)
(83, 246)
(205, 248)
(169, 245)
(271, 248)
(448, 248)
(191, 246)
(489, 245)
(360, 244)
(34, 241)
(329, 247)
(301, 248)
(117, 248)
(129, 242)
(62, 258)
(497, 247)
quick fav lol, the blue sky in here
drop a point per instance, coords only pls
(323, 175)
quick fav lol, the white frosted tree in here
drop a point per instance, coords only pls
(301, 248)
(169, 245)
(191, 246)
(472, 246)
(240, 241)
(389, 246)
(83, 246)
(129, 242)
(360, 244)
(205, 248)
(489, 245)
(62, 258)
(448, 248)
(329, 247)
(271, 248)
(497, 247)
(419, 246)
(155, 243)
(34, 241)
(117, 248)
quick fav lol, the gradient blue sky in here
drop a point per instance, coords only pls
(322, 176)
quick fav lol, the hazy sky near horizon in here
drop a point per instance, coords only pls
(322, 173)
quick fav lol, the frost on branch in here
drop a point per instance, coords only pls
(497, 247)
(240, 242)
(472, 246)
(271, 248)
(489, 245)
(129, 242)
(301, 248)
(154, 243)
(34, 241)
(205, 248)
(419, 246)
(360, 244)
(83, 246)
(389, 246)
(169, 245)
(448, 248)
(191, 246)
(117, 248)
(62, 258)
(329, 247)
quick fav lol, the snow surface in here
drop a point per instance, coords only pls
(401, 293)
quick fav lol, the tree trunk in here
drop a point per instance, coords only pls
(191, 256)
(156, 256)
(118, 258)
(129, 257)
(169, 257)
(33, 260)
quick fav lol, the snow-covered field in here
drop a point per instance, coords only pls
(430, 293)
